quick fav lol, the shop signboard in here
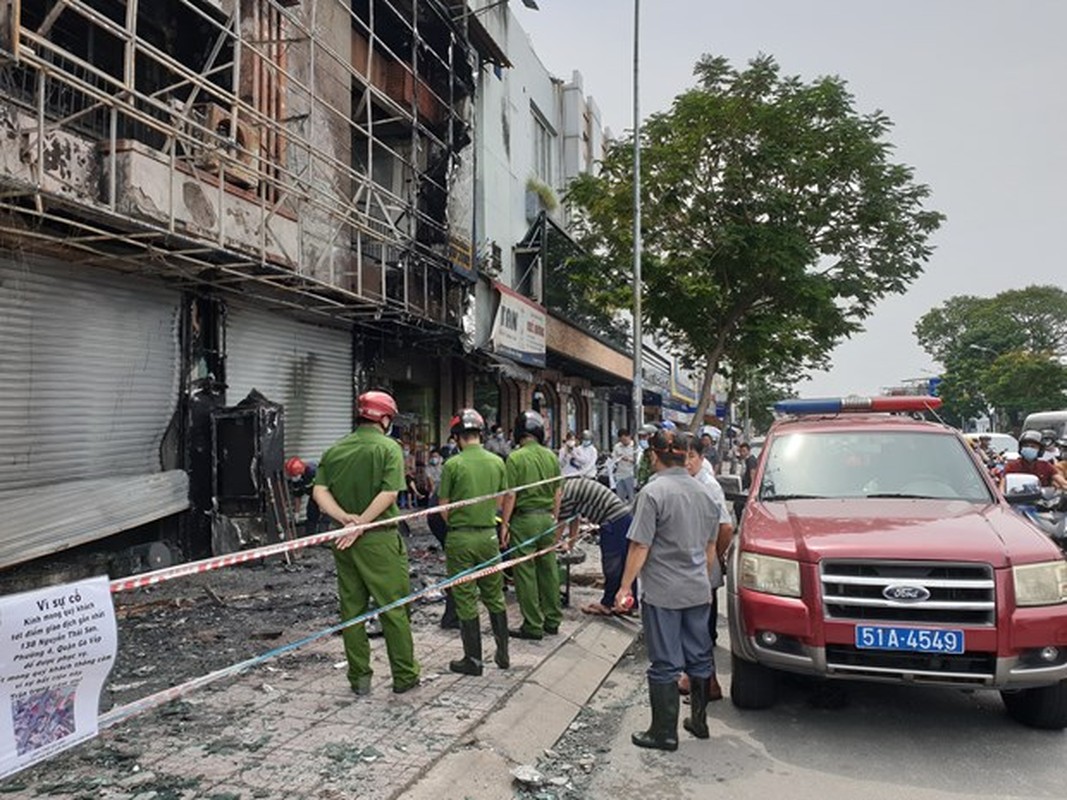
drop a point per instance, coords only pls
(656, 379)
(682, 385)
(519, 328)
(675, 415)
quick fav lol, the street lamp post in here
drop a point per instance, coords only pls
(638, 396)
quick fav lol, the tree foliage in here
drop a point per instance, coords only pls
(1001, 352)
(762, 392)
(773, 219)
(1020, 382)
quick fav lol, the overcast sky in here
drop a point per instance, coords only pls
(975, 89)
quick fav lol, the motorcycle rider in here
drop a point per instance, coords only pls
(1051, 452)
(1059, 479)
(1029, 461)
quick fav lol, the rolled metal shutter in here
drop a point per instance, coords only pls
(90, 362)
(307, 368)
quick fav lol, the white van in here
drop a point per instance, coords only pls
(1056, 420)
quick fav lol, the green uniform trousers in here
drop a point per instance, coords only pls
(376, 565)
(536, 581)
(466, 548)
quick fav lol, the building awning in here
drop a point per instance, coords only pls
(507, 368)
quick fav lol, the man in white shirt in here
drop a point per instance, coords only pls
(624, 455)
(578, 459)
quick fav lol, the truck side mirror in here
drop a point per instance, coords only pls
(1020, 489)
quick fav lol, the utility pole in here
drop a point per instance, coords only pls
(638, 396)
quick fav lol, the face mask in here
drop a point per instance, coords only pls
(643, 444)
(1029, 453)
(435, 461)
(587, 442)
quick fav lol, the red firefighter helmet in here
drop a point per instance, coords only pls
(294, 467)
(375, 405)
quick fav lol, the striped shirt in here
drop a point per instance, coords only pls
(585, 497)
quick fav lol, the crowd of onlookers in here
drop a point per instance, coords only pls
(623, 468)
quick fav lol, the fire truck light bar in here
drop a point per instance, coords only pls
(839, 405)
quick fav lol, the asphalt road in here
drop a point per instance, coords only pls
(884, 742)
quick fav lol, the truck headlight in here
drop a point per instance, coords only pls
(1041, 584)
(772, 575)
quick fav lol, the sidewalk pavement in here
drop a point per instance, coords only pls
(293, 729)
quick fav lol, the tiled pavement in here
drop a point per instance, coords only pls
(293, 729)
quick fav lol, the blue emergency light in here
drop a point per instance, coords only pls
(839, 405)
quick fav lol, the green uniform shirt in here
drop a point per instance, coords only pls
(472, 473)
(360, 466)
(529, 464)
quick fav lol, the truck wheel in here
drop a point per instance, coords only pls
(752, 685)
(1045, 707)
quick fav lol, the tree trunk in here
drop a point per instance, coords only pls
(712, 362)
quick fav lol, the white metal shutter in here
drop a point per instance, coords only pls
(90, 366)
(306, 368)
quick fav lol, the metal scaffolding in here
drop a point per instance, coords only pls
(307, 154)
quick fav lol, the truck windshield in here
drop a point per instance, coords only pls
(894, 464)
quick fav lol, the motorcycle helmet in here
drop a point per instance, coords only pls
(375, 405)
(1048, 437)
(530, 423)
(294, 467)
(1030, 437)
(467, 420)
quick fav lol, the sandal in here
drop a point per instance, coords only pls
(597, 610)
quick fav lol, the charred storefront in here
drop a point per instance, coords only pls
(202, 198)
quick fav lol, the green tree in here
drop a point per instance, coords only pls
(1033, 319)
(1019, 383)
(773, 219)
(969, 336)
(762, 392)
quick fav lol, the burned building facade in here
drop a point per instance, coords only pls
(199, 198)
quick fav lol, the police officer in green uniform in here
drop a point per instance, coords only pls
(472, 539)
(358, 481)
(530, 512)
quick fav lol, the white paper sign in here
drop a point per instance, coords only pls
(57, 646)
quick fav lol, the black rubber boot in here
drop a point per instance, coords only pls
(662, 734)
(697, 723)
(449, 620)
(471, 664)
(499, 621)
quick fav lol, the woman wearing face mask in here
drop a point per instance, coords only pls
(1029, 461)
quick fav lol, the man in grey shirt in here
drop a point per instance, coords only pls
(673, 539)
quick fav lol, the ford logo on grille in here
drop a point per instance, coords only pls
(906, 593)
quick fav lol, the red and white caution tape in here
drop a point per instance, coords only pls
(279, 548)
(122, 713)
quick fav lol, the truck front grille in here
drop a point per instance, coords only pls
(921, 667)
(958, 594)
